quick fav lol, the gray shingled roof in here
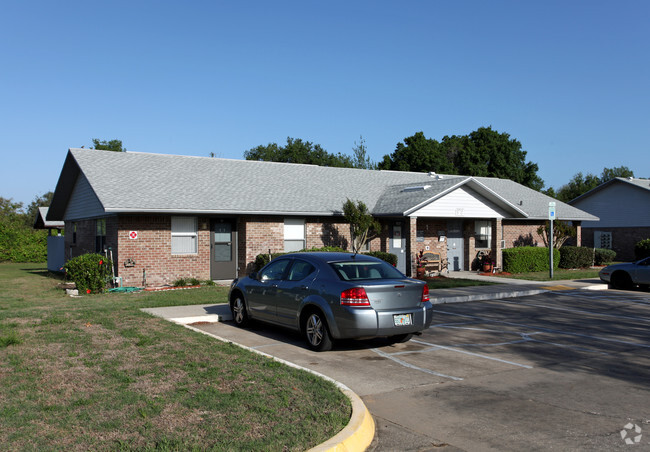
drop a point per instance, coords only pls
(639, 183)
(41, 221)
(403, 197)
(140, 182)
(533, 203)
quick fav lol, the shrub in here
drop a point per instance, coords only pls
(90, 272)
(388, 257)
(262, 259)
(528, 259)
(604, 256)
(180, 282)
(642, 249)
(576, 257)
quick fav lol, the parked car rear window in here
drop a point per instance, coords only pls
(353, 271)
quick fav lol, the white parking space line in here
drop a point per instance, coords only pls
(547, 330)
(465, 352)
(577, 311)
(411, 366)
(572, 347)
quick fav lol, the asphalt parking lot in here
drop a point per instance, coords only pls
(565, 370)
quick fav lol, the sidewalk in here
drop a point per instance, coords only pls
(506, 288)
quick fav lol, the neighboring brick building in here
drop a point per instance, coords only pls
(623, 208)
(164, 217)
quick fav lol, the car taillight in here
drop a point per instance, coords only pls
(425, 293)
(356, 296)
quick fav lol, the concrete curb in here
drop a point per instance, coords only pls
(356, 436)
(487, 296)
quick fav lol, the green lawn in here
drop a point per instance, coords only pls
(95, 373)
(558, 275)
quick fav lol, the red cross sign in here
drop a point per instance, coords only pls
(133, 235)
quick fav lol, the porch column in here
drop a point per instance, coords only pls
(499, 237)
(578, 225)
(410, 246)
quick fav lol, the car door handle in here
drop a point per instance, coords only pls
(304, 287)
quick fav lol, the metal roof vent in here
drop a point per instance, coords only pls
(416, 188)
(434, 175)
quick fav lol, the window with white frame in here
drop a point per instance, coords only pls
(294, 234)
(483, 234)
(184, 235)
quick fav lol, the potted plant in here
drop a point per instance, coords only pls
(486, 263)
(419, 262)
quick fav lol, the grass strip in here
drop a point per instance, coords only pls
(558, 275)
(96, 373)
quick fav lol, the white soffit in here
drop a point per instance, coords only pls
(463, 202)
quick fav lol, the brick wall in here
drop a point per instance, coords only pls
(151, 252)
(522, 233)
(259, 234)
(623, 240)
(84, 241)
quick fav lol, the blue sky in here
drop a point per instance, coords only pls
(569, 79)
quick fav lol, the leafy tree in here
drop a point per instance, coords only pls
(298, 151)
(550, 191)
(32, 209)
(612, 173)
(562, 231)
(581, 184)
(363, 226)
(19, 242)
(484, 152)
(112, 145)
(577, 186)
(360, 157)
(419, 154)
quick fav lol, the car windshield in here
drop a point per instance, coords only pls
(353, 271)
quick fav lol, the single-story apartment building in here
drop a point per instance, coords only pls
(622, 206)
(168, 216)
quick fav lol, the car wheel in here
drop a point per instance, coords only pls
(621, 280)
(399, 338)
(239, 314)
(316, 332)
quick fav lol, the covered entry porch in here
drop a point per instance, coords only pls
(457, 241)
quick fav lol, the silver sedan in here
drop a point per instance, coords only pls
(625, 276)
(329, 296)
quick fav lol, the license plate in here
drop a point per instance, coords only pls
(402, 319)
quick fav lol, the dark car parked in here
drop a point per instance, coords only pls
(329, 296)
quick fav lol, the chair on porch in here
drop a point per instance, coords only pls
(432, 262)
